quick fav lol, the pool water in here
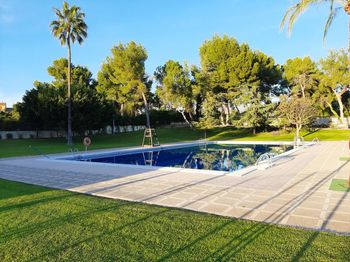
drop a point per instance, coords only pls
(210, 157)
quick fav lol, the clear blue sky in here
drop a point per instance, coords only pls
(172, 29)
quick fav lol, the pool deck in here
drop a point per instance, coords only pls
(294, 193)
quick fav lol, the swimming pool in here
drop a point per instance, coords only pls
(200, 156)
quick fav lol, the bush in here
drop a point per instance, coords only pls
(9, 136)
(158, 118)
(10, 125)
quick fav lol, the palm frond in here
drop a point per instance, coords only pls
(332, 14)
(70, 24)
(295, 11)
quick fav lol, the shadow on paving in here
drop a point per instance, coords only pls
(49, 177)
(312, 238)
(230, 249)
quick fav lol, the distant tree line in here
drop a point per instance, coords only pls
(233, 86)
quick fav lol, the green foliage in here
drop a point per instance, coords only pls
(301, 6)
(237, 77)
(70, 25)
(123, 79)
(10, 120)
(335, 79)
(158, 118)
(44, 106)
(335, 69)
(302, 76)
(175, 88)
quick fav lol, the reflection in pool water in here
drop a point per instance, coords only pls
(210, 157)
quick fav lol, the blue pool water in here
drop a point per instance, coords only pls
(209, 157)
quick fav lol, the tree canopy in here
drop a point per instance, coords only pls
(123, 79)
(239, 81)
(175, 88)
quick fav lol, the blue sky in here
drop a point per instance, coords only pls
(172, 29)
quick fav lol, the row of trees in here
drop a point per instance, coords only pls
(235, 85)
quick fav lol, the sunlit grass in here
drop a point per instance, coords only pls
(42, 224)
(9, 148)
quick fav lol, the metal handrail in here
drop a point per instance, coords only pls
(300, 143)
(315, 140)
(37, 150)
(73, 150)
(266, 157)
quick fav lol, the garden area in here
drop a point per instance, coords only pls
(282, 200)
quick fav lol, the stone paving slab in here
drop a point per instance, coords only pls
(293, 193)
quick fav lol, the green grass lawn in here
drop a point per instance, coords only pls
(340, 185)
(9, 148)
(42, 224)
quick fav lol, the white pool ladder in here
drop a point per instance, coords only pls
(265, 159)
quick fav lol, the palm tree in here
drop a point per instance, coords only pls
(298, 8)
(69, 27)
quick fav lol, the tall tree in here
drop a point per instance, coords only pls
(302, 75)
(256, 89)
(123, 79)
(69, 28)
(335, 78)
(218, 59)
(175, 88)
(238, 81)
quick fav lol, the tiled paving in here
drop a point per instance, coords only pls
(294, 193)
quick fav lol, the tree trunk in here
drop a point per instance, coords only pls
(199, 102)
(146, 110)
(226, 113)
(332, 110)
(341, 107)
(185, 118)
(297, 127)
(222, 118)
(113, 118)
(122, 109)
(69, 99)
(303, 91)
(190, 115)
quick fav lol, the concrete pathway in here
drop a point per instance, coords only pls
(294, 193)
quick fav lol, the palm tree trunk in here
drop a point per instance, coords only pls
(349, 40)
(69, 99)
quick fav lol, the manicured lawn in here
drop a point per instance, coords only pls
(340, 185)
(42, 224)
(321, 134)
(10, 148)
